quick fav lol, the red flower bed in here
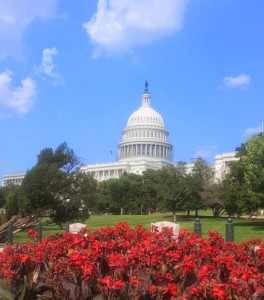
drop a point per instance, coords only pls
(126, 263)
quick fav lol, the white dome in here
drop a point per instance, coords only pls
(145, 136)
(145, 115)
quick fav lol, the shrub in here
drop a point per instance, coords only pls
(126, 263)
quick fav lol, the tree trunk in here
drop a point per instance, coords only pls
(121, 211)
(174, 216)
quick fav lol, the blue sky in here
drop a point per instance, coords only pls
(74, 71)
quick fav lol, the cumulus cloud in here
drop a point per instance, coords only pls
(236, 81)
(15, 17)
(15, 100)
(119, 25)
(47, 69)
(205, 151)
(253, 130)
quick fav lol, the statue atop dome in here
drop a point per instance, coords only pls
(146, 87)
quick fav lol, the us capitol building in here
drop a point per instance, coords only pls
(144, 145)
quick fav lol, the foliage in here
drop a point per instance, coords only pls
(11, 195)
(171, 191)
(122, 194)
(126, 263)
(149, 191)
(211, 194)
(243, 191)
(168, 188)
(2, 197)
(56, 188)
(198, 181)
(254, 164)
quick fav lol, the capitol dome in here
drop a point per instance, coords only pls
(145, 115)
(145, 136)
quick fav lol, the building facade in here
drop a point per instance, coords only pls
(15, 178)
(222, 164)
(144, 145)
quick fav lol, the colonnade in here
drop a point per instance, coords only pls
(150, 150)
(105, 174)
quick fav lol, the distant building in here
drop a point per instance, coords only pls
(189, 167)
(15, 178)
(144, 145)
(222, 164)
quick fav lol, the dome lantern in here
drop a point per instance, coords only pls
(146, 96)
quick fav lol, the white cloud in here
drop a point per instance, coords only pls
(15, 17)
(47, 67)
(119, 25)
(205, 151)
(15, 100)
(253, 130)
(236, 81)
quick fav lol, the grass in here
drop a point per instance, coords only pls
(244, 229)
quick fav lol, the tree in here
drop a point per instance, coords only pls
(122, 194)
(55, 187)
(211, 195)
(194, 200)
(11, 197)
(171, 191)
(253, 162)
(243, 187)
(149, 190)
(200, 178)
(2, 197)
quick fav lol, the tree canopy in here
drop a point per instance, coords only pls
(243, 190)
(54, 187)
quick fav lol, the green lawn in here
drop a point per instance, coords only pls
(244, 229)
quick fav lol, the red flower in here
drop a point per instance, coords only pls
(168, 276)
(171, 289)
(118, 285)
(117, 260)
(24, 257)
(194, 291)
(107, 281)
(137, 263)
(220, 292)
(33, 234)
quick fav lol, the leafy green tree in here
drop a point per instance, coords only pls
(253, 162)
(2, 197)
(171, 190)
(149, 189)
(122, 194)
(11, 196)
(55, 187)
(211, 195)
(243, 191)
(200, 177)
(194, 200)
(239, 192)
(11, 205)
(103, 204)
(236, 198)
